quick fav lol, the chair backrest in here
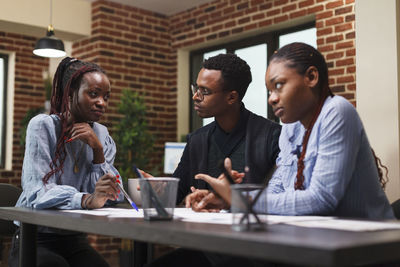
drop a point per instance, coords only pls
(9, 195)
(396, 208)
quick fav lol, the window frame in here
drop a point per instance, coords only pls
(3, 121)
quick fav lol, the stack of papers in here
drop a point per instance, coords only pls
(189, 215)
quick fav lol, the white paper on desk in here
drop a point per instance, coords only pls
(90, 212)
(275, 219)
(125, 213)
(188, 215)
(348, 225)
(223, 217)
(111, 212)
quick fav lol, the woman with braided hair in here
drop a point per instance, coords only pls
(326, 165)
(68, 162)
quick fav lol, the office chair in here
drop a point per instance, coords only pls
(9, 195)
(396, 208)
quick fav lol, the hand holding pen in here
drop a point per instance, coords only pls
(105, 189)
(126, 195)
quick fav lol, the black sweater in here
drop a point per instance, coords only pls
(261, 151)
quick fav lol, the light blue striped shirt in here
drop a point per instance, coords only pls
(63, 190)
(340, 174)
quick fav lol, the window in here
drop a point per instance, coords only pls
(308, 36)
(3, 107)
(255, 51)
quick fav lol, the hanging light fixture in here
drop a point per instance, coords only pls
(49, 46)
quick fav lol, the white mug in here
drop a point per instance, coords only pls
(133, 192)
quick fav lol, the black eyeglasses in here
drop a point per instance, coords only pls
(201, 91)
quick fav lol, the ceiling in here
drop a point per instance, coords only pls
(166, 7)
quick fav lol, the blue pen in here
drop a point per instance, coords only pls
(127, 196)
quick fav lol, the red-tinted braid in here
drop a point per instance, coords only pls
(60, 106)
(57, 163)
(298, 185)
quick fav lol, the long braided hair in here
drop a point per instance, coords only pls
(301, 56)
(66, 83)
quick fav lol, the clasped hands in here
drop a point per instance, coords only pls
(203, 200)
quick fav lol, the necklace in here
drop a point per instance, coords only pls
(76, 158)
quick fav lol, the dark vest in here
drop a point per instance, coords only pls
(215, 155)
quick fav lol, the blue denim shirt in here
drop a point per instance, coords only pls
(64, 190)
(341, 177)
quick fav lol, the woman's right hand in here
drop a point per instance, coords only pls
(84, 132)
(106, 188)
(145, 174)
(237, 176)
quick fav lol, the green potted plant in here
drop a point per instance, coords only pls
(134, 141)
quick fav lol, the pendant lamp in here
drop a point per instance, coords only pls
(49, 46)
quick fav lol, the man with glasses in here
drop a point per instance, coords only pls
(248, 139)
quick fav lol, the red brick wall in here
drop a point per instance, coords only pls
(334, 20)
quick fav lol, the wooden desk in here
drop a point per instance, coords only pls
(280, 243)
